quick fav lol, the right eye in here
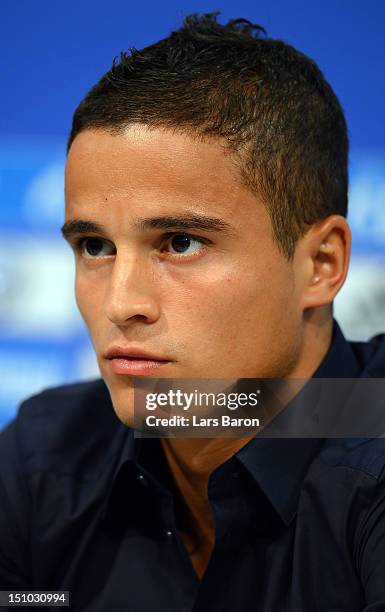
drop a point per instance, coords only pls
(92, 248)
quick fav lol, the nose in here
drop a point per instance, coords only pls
(131, 291)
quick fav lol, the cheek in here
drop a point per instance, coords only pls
(81, 294)
(238, 308)
(240, 298)
(88, 296)
(212, 313)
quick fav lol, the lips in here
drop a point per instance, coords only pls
(134, 361)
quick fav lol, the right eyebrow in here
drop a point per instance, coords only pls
(78, 226)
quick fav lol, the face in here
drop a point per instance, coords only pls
(177, 272)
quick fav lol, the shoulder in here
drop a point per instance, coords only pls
(344, 487)
(346, 476)
(347, 479)
(57, 459)
(71, 398)
(363, 455)
(68, 426)
(355, 479)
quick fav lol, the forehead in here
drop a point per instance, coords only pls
(157, 171)
(143, 163)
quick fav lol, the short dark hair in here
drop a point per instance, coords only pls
(268, 102)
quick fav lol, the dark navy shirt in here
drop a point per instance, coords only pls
(85, 507)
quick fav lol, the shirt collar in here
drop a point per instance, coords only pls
(279, 465)
(127, 452)
(340, 360)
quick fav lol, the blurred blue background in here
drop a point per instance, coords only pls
(51, 53)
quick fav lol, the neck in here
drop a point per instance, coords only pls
(197, 458)
(316, 341)
(192, 460)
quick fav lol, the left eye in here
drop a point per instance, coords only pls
(96, 247)
(184, 243)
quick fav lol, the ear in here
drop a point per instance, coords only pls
(322, 259)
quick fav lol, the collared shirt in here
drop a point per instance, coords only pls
(85, 507)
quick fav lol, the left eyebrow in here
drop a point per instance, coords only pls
(197, 222)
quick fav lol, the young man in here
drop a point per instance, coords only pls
(206, 196)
